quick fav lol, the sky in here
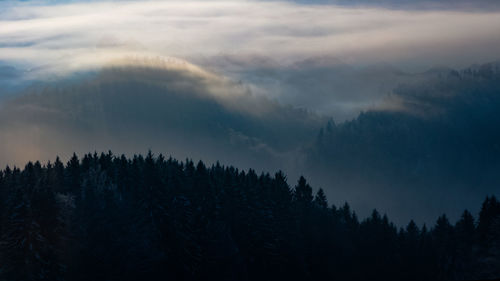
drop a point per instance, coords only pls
(59, 36)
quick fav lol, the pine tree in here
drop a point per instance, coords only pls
(73, 173)
(444, 245)
(465, 234)
(303, 193)
(489, 239)
(320, 199)
(30, 236)
(113, 218)
(490, 210)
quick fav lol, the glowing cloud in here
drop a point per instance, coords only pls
(82, 35)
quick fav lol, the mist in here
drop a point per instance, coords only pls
(170, 107)
(251, 84)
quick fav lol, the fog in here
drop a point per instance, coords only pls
(171, 107)
(252, 83)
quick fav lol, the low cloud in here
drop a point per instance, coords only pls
(82, 35)
(169, 106)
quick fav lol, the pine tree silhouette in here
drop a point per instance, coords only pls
(108, 217)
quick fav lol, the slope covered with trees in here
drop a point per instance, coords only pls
(151, 218)
(436, 142)
(154, 104)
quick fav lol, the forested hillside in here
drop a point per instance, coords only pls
(151, 218)
(133, 105)
(442, 130)
(432, 143)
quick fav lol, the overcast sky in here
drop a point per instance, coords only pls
(80, 35)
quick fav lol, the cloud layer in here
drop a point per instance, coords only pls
(82, 35)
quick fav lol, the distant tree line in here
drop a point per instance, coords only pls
(151, 218)
(443, 133)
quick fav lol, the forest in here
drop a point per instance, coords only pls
(444, 133)
(107, 217)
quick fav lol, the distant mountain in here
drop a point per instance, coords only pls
(323, 84)
(171, 106)
(10, 78)
(434, 143)
(8, 72)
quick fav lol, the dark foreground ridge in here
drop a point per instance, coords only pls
(151, 218)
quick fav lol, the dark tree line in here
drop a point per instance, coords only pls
(150, 218)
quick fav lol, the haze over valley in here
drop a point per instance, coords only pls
(384, 105)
